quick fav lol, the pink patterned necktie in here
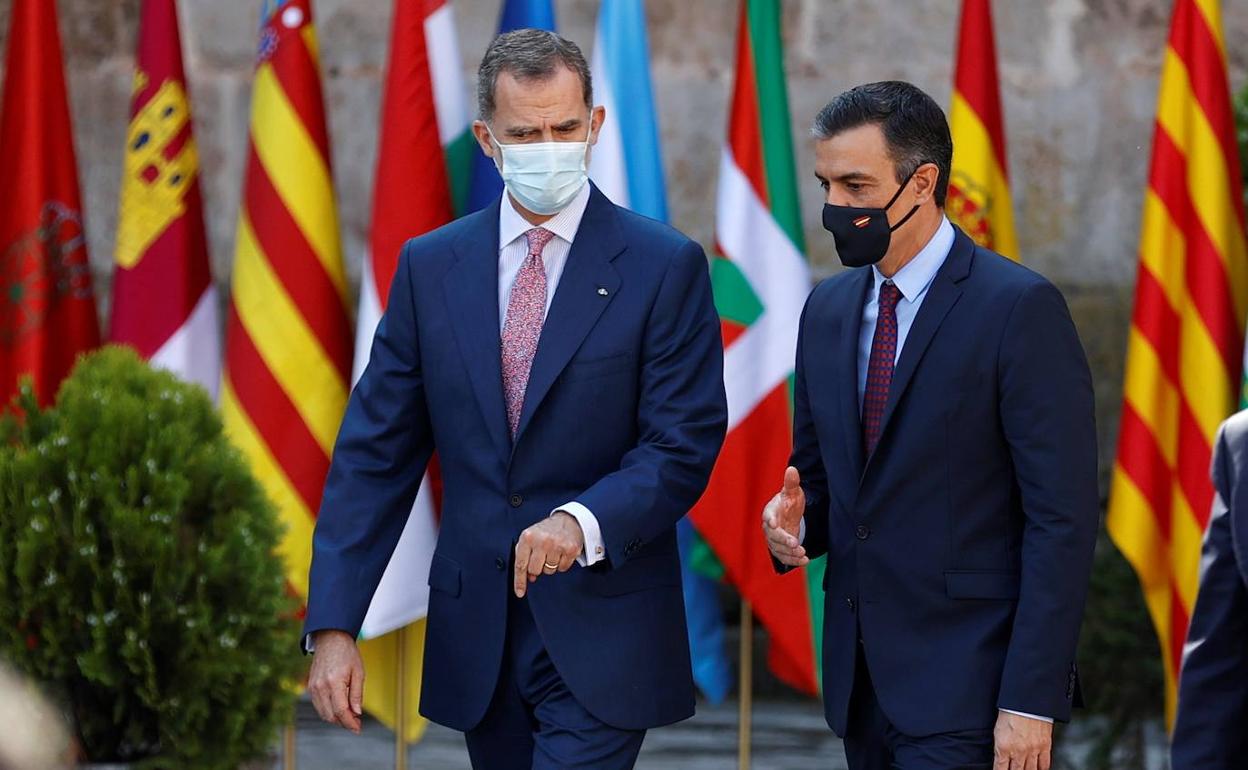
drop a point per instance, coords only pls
(526, 311)
(880, 367)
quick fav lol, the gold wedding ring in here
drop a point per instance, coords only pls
(551, 567)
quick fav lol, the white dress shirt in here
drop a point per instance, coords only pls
(913, 280)
(513, 250)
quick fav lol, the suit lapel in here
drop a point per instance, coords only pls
(847, 367)
(579, 300)
(471, 290)
(942, 295)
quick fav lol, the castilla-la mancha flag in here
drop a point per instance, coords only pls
(47, 309)
(164, 303)
(979, 182)
(1187, 331)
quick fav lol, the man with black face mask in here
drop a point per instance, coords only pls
(944, 459)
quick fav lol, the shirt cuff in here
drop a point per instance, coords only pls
(801, 530)
(595, 550)
(1029, 716)
(309, 646)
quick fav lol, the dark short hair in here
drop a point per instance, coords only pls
(914, 126)
(529, 54)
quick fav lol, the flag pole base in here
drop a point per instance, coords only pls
(746, 687)
(400, 711)
(289, 760)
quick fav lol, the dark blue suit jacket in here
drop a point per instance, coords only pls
(961, 550)
(1210, 728)
(625, 413)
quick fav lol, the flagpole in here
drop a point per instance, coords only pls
(288, 746)
(745, 679)
(400, 707)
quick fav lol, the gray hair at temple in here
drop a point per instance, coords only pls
(529, 54)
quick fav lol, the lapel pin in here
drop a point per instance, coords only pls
(602, 291)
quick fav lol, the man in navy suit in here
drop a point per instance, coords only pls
(944, 459)
(1213, 685)
(563, 357)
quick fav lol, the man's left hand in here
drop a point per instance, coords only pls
(547, 547)
(1022, 743)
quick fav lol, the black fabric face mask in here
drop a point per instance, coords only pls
(862, 235)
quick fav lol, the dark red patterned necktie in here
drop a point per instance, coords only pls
(880, 367)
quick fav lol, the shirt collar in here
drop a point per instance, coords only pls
(918, 273)
(511, 225)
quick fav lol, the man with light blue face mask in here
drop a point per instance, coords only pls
(563, 357)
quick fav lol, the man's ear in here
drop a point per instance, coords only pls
(924, 181)
(482, 135)
(596, 118)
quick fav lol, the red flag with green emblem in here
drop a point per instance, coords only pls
(47, 309)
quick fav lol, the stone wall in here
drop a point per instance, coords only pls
(1079, 80)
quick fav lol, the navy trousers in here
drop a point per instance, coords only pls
(533, 721)
(872, 743)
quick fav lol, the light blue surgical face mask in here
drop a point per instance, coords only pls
(543, 177)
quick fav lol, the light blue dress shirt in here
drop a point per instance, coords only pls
(913, 280)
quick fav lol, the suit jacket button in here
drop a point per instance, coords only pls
(501, 563)
(516, 501)
(862, 532)
(849, 602)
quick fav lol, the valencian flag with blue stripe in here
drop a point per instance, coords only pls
(288, 332)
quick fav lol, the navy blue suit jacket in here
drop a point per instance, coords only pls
(960, 551)
(625, 413)
(1209, 730)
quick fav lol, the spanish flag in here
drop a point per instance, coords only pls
(1187, 331)
(979, 185)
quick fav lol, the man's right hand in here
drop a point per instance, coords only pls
(336, 680)
(782, 521)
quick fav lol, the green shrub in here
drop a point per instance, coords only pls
(138, 580)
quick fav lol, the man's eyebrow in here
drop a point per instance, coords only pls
(522, 131)
(569, 124)
(855, 176)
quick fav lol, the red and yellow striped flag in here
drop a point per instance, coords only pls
(979, 185)
(288, 332)
(1183, 352)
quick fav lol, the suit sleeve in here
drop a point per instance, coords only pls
(807, 457)
(682, 415)
(1047, 414)
(379, 459)
(1213, 687)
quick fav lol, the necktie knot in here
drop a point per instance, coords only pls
(538, 237)
(890, 295)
